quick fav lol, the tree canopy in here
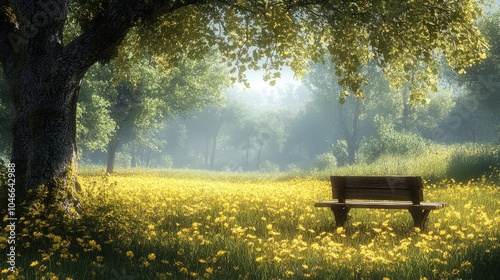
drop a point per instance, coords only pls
(403, 37)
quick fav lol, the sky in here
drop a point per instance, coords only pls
(262, 96)
(257, 83)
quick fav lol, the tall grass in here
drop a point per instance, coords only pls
(435, 163)
(473, 161)
(460, 162)
(432, 164)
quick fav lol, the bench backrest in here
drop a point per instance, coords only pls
(403, 188)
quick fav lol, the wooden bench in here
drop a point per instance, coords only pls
(383, 192)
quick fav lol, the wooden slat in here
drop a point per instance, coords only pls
(383, 204)
(338, 188)
(373, 182)
(416, 192)
(377, 194)
(403, 188)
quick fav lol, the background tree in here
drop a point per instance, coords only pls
(95, 126)
(209, 128)
(308, 136)
(345, 120)
(482, 86)
(114, 112)
(155, 98)
(260, 132)
(231, 117)
(354, 120)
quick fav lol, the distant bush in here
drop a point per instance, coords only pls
(295, 169)
(389, 142)
(326, 161)
(269, 167)
(122, 160)
(339, 149)
(232, 166)
(473, 161)
(163, 161)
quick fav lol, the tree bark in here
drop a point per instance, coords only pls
(44, 131)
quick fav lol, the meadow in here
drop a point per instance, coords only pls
(181, 224)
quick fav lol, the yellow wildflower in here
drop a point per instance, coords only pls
(151, 257)
(221, 253)
(129, 254)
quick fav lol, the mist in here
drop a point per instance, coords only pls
(301, 125)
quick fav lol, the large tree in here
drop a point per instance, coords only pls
(44, 70)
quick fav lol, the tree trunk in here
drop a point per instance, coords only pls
(112, 147)
(133, 160)
(148, 157)
(44, 133)
(214, 146)
(245, 153)
(350, 130)
(259, 154)
(351, 151)
(353, 144)
(207, 147)
(406, 116)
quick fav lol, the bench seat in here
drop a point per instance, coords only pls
(382, 204)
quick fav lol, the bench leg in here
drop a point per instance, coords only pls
(340, 213)
(419, 216)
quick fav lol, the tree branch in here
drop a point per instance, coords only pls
(100, 41)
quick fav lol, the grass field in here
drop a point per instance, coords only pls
(195, 225)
